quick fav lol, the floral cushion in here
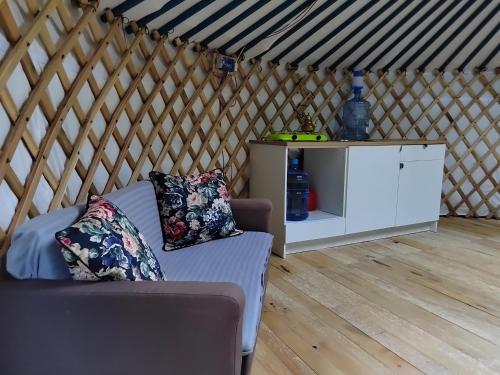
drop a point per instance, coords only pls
(193, 209)
(104, 245)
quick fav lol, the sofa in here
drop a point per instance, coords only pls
(203, 320)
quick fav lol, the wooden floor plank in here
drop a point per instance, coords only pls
(314, 310)
(422, 303)
(323, 338)
(478, 289)
(377, 318)
(292, 362)
(453, 335)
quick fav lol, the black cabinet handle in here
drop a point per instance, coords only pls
(401, 165)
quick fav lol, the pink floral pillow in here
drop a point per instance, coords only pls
(105, 245)
(193, 209)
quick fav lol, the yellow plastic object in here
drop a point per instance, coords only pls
(296, 137)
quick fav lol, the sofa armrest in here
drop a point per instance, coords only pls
(69, 327)
(252, 214)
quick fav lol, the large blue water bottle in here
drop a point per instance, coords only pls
(355, 112)
(297, 194)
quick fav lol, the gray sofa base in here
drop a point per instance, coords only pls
(68, 327)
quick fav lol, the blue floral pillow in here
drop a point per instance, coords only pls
(104, 245)
(193, 209)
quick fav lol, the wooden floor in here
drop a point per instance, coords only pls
(422, 303)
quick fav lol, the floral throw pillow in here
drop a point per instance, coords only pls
(104, 245)
(193, 209)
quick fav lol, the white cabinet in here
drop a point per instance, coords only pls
(366, 190)
(420, 184)
(372, 188)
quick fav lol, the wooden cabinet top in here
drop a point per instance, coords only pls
(345, 144)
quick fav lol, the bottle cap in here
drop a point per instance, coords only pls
(357, 81)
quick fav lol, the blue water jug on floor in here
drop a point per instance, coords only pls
(297, 193)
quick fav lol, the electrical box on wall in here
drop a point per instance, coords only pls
(226, 64)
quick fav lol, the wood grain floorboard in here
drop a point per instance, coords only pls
(426, 303)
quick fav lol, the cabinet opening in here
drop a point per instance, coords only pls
(327, 174)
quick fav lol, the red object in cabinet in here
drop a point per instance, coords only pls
(313, 199)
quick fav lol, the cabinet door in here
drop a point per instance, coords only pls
(372, 187)
(419, 192)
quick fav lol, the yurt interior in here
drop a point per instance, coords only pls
(249, 187)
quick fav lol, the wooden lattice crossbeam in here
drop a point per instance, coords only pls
(173, 112)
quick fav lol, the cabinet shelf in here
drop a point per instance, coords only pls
(319, 224)
(316, 215)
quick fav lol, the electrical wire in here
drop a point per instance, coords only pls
(299, 17)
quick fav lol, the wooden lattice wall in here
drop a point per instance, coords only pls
(88, 108)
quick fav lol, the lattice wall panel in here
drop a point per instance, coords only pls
(85, 107)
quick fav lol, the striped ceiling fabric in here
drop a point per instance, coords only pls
(372, 35)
